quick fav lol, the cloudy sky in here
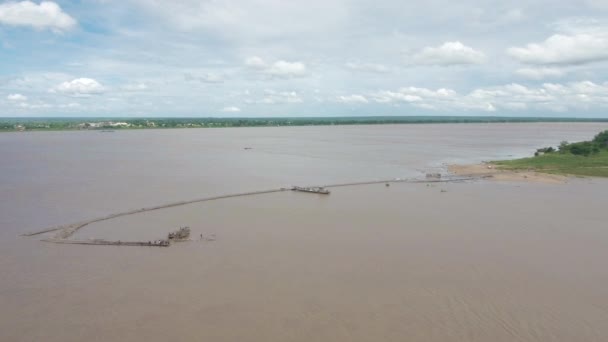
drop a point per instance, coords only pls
(303, 58)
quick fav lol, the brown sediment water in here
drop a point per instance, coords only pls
(472, 261)
(478, 261)
(67, 230)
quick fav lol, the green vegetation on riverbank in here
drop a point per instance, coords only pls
(586, 158)
(58, 124)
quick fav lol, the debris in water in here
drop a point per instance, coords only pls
(182, 234)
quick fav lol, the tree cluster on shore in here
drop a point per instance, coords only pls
(583, 148)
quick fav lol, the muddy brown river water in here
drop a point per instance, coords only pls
(478, 261)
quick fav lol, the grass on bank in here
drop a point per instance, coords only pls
(595, 165)
(585, 158)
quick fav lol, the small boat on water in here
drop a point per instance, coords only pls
(315, 189)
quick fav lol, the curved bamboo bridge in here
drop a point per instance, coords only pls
(66, 231)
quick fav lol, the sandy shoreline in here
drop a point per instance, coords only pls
(492, 172)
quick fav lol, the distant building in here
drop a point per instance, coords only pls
(118, 124)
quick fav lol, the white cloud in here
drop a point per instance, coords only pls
(550, 96)
(440, 99)
(16, 97)
(135, 87)
(280, 68)
(387, 96)
(45, 15)
(204, 78)
(231, 109)
(353, 53)
(576, 25)
(70, 105)
(367, 67)
(413, 94)
(352, 99)
(277, 97)
(42, 105)
(599, 4)
(449, 53)
(513, 15)
(255, 62)
(33, 81)
(79, 87)
(511, 97)
(250, 20)
(564, 49)
(540, 73)
(287, 69)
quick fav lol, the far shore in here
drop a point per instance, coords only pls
(8, 124)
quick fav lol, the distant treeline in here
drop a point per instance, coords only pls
(25, 124)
